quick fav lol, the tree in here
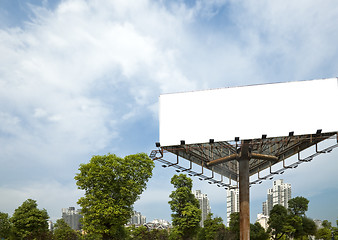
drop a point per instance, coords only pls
(298, 206)
(279, 222)
(29, 222)
(5, 225)
(186, 214)
(62, 231)
(234, 225)
(257, 232)
(213, 227)
(323, 233)
(112, 185)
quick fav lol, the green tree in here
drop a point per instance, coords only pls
(298, 206)
(29, 222)
(186, 214)
(213, 227)
(279, 222)
(5, 225)
(62, 231)
(257, 232)
(234, 225)
(112, 185)
(324, 234)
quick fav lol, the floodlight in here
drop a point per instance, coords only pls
(158, 144)
(281, 172)
(259, 182)
(291, 134)
(328, 151)
(264, 136)
(295, 166)
(210, 182)
(200, 179)
(236, 139)
(178, 170)
(190, 174)
(164, 166)
(271, 178)
(319, 131)
(211, 140)
(182, 142)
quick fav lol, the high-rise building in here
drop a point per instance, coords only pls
(280, 194)
(137, 219)
(72, 217)
(232, 202)
(204, 205)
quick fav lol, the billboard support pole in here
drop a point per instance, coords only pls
(244, 192)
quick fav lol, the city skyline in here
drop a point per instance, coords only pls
(81, 78)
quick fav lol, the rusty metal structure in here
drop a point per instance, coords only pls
(239, 159)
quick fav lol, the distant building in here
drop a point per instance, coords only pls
(137, 219)
(204, 205)
(158, 224)
(262, 220)
(232, 202)
(50, 225)
(280, 194)
(72, 217)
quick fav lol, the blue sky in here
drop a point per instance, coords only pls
(80, 78)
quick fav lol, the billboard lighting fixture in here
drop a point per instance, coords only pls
(291, 134)
(182, 142)
(236, 139)
(211, 140)
(264, 136)
(158, 144)
(319, 131)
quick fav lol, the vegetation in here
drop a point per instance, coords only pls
(29, 222)
(62, 231)
(186, 214)
(112, 185)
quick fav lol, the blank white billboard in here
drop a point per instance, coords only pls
(249, 112)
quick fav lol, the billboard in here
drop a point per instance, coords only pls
(248, 112)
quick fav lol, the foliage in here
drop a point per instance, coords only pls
(298, 206)
(5, 225)
(292, 222)
(186, 214)
(324, 234)
(112, 185)
(142, 233)
(213, 228)
(279, 222)
(257, 232)
(29, 222)
(234, 225)
(62, 231)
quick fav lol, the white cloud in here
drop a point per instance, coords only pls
(73, 79)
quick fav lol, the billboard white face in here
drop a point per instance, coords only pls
(249, 112)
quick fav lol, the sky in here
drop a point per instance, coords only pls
(81, 78)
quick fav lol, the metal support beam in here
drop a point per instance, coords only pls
(244, 192)
(222, 160)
